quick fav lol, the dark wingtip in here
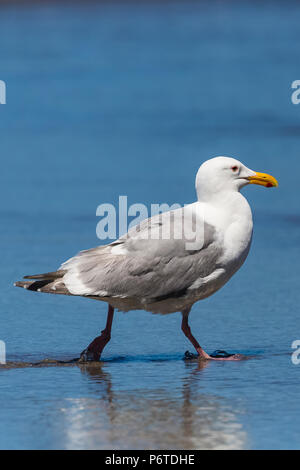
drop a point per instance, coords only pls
(23, 284)
(34, 276)
(47, 276)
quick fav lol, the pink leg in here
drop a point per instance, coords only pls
(201, 353)
(94, 350)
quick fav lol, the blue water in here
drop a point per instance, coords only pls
(108, 99)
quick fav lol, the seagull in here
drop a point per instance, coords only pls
(169, 261)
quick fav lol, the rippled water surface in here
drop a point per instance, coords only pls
(108, 99)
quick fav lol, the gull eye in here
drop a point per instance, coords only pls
(234, 168)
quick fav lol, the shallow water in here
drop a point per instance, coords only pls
(107, 100)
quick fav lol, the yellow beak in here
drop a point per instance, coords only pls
(263, 179)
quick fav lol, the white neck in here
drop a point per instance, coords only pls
(230, 205)
(231, 214)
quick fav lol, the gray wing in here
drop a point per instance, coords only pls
(144, 264)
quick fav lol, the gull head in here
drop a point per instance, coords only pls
(223, 174)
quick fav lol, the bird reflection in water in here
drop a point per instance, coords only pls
(159, 418)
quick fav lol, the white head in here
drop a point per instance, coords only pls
(223, 174)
